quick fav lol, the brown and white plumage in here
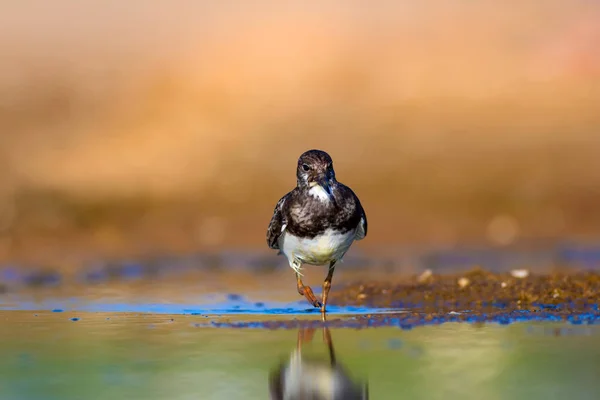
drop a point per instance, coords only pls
(313, 378)
(316, 222)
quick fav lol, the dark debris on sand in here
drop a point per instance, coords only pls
(478, 291)
(410, 320)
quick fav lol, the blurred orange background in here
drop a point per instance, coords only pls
(149, 126)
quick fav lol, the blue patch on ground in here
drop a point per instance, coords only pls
(231, 307)
(10, 275)
(44, 278)
(234, 297)
(338, 316)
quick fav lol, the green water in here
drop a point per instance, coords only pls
(146, 356)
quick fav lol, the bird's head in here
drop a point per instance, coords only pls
(315, 172)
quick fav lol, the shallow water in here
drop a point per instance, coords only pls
(83, 355)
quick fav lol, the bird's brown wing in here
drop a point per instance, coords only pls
(277, 224)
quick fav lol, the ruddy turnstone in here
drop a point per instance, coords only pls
(317, 222)
(313, 378)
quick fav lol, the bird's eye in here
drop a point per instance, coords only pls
(305, 167)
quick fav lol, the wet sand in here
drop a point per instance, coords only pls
(479, 290)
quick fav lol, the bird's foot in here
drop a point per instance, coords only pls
(310, 296)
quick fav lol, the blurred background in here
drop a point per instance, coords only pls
(142, 127)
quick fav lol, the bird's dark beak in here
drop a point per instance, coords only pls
(324, 183)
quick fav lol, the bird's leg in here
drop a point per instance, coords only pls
(327, 285)
(329, 342)
(305, 335)
(307, 292)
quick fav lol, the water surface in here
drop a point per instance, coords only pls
(84, 355)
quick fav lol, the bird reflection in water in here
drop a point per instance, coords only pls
(300, 378)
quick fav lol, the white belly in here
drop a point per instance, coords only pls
(320, 250)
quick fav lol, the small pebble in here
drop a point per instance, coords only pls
(519, 273)
(463, 282)
(425, 276)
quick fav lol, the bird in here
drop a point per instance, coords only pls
(301, 377)
(316, 222)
